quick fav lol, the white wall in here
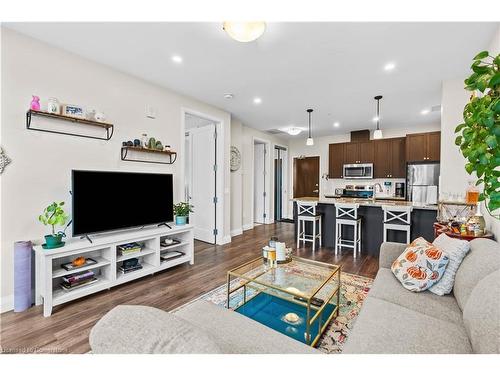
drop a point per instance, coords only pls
(454, 178)
(321, 148)
(242, 192)
(40, 171)
(236, 181)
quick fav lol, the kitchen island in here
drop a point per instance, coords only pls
(372, 227)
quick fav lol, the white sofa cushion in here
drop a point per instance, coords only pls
(147, 330)
(455, 250)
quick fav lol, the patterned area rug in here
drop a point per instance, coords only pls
(354, 290)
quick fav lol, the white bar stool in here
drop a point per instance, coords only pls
(347, 214)
(306, 212)
(397, 218)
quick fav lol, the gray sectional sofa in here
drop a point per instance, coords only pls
(392, 319)
(395, 320)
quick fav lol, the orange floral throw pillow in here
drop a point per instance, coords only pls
(420, 266)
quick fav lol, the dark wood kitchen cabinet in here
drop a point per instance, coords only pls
(336, 160)
(389, 158)
(359, 152)
(423, 147)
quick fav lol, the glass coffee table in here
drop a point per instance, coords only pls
(298, 298)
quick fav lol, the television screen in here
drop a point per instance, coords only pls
(106, 201)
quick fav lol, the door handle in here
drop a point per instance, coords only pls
(316, 191)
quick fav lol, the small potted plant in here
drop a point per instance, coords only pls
(54, 215)
(181, 211)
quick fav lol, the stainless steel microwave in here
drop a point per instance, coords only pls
(358, 170)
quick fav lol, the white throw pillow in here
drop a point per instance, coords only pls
(456, 250)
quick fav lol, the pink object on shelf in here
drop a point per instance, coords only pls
(35, 103)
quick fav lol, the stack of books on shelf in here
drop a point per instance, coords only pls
(78, 280)
(129, 248)
(130, 265)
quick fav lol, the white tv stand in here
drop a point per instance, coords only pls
(103, 249)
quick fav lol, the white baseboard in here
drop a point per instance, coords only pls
(225, 240)
(236, 232)
(247, 226)
(7, 303)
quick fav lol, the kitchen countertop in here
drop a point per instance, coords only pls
(368, 202)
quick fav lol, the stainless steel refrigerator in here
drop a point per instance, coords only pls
(423, 183)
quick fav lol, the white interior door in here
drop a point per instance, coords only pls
(202, 186)
(284, 184)
(259, 183)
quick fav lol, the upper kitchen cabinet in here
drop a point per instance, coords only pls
(336, 160)
(423, 147)
(389, 158)
(359, 152)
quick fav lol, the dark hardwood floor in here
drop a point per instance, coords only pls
(67, 330)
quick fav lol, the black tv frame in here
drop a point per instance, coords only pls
(86, 235)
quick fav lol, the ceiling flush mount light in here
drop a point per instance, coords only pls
(310, 140)
(389, 66)
(294, 131)
(377, 134)
(425, 111)
(228, 96)
(336, 124)
(177, 59)
(244, 31)
(257, 100)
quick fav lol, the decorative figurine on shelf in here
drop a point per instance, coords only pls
(152, 143)
(35, 103)
(159, 146)
(137, 143)
(78, 262)
(167, 148)
(100, 116)
(53, 106)
(144, 140)
(130, 143)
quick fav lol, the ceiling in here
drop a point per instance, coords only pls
(334, 68)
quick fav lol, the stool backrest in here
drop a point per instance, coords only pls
(306, 208)
(398, 214)
(346, 211)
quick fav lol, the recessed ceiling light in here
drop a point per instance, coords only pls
(177, 59)
(257, 100)
(424, 111)
(336, 124)
(228, 95)
(294, 131)
(389, 66)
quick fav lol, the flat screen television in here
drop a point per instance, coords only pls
(107, 201)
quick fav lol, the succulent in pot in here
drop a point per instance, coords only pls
(54, 216)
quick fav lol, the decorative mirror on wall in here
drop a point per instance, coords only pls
(235, 159)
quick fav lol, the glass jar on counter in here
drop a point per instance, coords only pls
(472, 193)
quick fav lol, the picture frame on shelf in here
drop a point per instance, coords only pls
(72, 110)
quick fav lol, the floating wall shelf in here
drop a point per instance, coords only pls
(168, 154)
(106, 126)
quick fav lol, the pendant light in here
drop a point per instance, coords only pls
(377, 134)
(310, 140)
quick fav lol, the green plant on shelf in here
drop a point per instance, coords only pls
(479, 135)
(183, 209)
(54, 215)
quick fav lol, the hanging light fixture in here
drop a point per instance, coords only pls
(244, 31)
(310, 140)
(377, 134)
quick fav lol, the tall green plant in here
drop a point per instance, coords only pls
(479, 135)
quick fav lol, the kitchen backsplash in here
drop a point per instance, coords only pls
(328, 186)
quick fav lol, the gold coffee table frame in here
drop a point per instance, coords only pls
(312, 312)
